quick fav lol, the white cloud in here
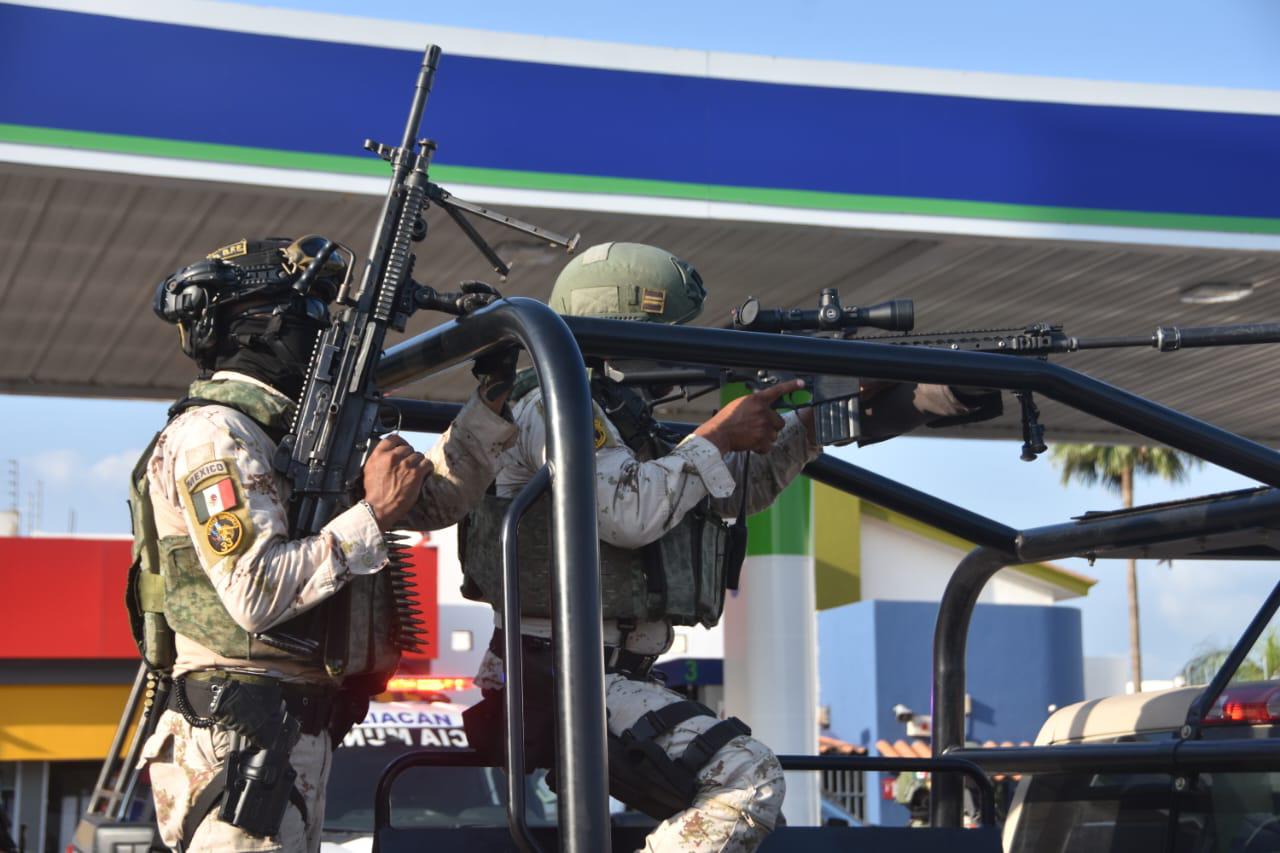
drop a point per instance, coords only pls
(1201, 604)
(116, 468)
(54, 467)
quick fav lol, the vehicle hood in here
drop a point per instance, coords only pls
(1117, 716)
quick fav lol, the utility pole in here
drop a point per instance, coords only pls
(10, 518)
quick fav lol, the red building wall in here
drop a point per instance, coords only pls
(64, 598)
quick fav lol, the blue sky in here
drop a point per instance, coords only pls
(1188, 42)
(81, 451)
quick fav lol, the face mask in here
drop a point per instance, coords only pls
(281, 361)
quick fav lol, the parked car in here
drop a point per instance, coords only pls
(428, 796)
(1117, 810)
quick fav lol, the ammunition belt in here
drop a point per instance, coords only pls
(312, 705)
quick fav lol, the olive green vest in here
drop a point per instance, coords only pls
(680, 577)
(170, 592)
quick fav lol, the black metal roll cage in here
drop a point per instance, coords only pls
(1221, 525)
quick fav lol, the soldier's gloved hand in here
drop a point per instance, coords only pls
(393, 476)
(496, 373)
(749, 423)
(474, 296)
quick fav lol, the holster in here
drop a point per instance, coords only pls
(256, 783)
(260, 783)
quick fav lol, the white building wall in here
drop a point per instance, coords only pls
(898, 565)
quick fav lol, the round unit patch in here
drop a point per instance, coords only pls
(600, 434)
(224, 533)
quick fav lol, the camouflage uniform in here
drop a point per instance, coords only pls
(740, 790)
(265, 578)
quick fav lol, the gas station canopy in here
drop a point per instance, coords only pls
(133, 145)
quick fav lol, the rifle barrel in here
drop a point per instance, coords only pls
(1115, 342)
(1220, 336)
(426, 76)
(1170, 338)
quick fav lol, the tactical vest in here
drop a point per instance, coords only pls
(170, 592)
(681, 577)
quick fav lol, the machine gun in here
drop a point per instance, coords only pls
(335, 422)
(836, 399)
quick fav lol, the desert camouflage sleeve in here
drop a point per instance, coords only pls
(637, 501)
(465, 459)
(767, 474)
(213, 469)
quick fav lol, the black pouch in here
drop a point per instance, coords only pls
(349, 707)
(485, 721)
(642, 776)
(250, 709)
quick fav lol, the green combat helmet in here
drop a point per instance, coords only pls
(629, 281)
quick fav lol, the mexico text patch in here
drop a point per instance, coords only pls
(217, 508)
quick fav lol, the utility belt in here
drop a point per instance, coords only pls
(255, 785)
(616, 658)
(311, 705)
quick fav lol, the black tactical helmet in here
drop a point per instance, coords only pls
(274, 278)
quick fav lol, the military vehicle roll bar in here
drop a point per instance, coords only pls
(1178, 528)
(575, 576)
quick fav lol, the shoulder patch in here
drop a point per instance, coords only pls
(217, 509)
(224, 533)
(601, 434)
(197, 456)
(207, 471)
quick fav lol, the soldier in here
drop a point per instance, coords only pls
(224, 599)
(666, 556)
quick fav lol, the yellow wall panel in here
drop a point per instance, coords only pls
(59, 722)
(837, 546)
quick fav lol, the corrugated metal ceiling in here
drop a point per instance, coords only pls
(83, 252)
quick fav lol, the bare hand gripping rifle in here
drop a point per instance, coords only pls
(338, 413)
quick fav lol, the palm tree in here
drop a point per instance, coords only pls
(1114, 466)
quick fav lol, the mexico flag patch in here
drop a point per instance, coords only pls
(214, 498)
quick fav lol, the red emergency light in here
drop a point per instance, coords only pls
(1258, 702)
(429, 684)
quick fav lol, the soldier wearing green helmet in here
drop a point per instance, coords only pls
(629, 281)
(667, 555)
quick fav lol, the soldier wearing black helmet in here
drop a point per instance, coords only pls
(666, 555)
(223, 600)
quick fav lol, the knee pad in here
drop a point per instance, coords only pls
(643, 776)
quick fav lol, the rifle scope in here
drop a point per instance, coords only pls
(896, 315)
